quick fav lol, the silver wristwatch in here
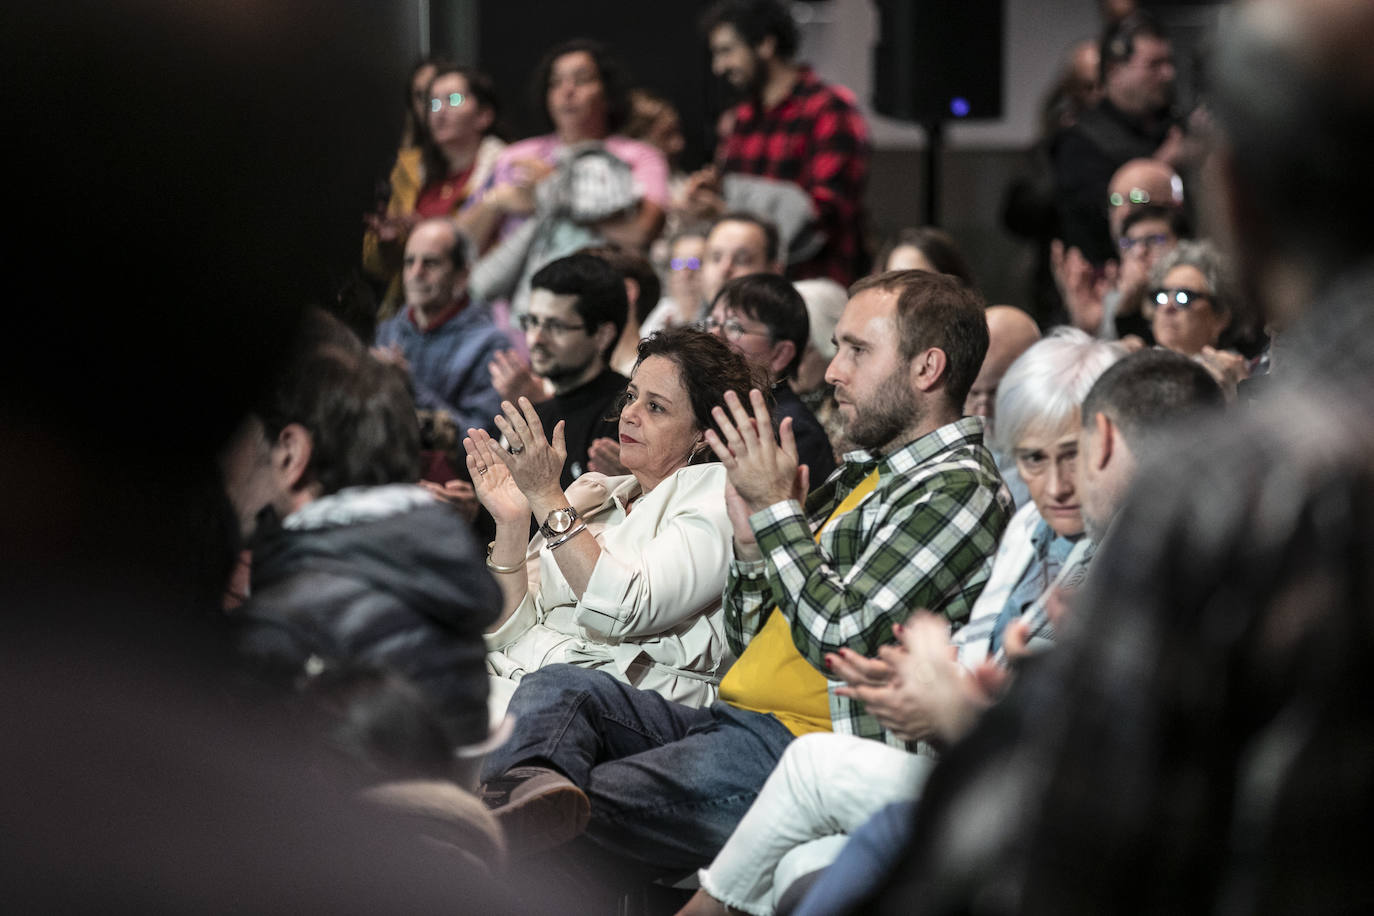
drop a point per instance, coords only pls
(558, 522)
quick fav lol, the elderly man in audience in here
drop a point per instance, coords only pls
(828, 784)
(763, 318)
(441, 337)
(1010, 333)
(1105, 300)
(1131, 121)
(1142, 183)
(352, 561)
(911, 522)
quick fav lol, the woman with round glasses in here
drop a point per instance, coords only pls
(626, 573)
(456, 151)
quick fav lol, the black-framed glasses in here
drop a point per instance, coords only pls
(454, 100)
(731, 329)
(552, 325)
(1152, 242)
(1180, 297)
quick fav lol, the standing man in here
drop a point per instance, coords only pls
(790, 127)
(763, 318)
(913, 524)
(441, 337)
(576, 312)
(1132, 121)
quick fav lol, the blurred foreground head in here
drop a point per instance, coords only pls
(179, 206)
(177, 202)
(1294, 97)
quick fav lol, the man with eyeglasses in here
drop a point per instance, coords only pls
(1096, 300)
(1141, 183)
(764, 319)
(576, 312)
(443, 339)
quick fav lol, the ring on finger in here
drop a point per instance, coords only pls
(516, 449)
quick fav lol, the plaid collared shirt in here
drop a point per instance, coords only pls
(924, 538)
(817, 139)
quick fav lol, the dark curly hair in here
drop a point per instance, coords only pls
(756, 20)
(709, 369)
(615, 83)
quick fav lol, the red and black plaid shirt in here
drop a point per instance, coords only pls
(816, 139)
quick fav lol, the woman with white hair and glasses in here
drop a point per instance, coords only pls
(1037, 424)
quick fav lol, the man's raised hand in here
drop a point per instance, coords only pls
(763, 471)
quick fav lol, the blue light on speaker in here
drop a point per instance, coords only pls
(959, 107)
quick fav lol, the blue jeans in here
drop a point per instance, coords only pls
(667, 782)
(865, 863)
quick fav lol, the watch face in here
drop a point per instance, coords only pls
(560, 520)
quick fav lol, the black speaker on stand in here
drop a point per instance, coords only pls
(938, 61)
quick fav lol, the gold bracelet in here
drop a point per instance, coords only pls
(502, 569)
(563, 539)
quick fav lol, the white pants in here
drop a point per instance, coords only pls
(825, 786)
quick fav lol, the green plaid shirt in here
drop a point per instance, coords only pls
(924, 538)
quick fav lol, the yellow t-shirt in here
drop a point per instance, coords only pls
(771, 676)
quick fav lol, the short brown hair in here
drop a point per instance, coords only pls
(937, 311)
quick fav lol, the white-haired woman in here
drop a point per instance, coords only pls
(1037, 424)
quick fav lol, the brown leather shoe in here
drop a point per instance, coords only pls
(538, 808)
